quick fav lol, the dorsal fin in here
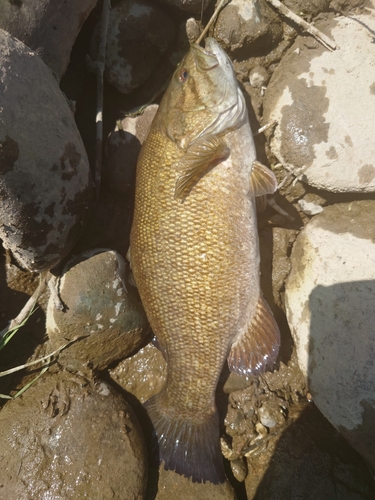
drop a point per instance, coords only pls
(201, 157)
(262, 179)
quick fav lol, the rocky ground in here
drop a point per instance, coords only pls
(303, 431)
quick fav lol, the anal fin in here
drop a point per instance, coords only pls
(257, 348)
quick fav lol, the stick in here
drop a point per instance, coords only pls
(214, 16)
(321, 37)
(100, 66)
(44, 358)
(27, 308)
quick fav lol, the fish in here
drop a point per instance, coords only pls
(194, 255)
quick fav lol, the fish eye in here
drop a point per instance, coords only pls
(182, 75)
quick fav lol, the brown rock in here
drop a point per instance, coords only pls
(96, 305)
(68, 438)
(143, 374)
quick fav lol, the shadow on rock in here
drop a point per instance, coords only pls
(341, 368)
(311, 460)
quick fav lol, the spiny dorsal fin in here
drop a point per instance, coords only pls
(202, 156)
(258, 347)
(262, 179)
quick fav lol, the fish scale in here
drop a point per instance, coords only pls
(195, 259)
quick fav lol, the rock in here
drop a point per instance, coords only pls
(307, 9)
(347, 5)
(258, 76)
(243, 28)
(49, 27)
(190, 5)
(309, 207)
(323, 105)
(97, 305)
(123, 146)
(308, 459)
(330, 296)
(197, 6)
(172, 485)
(139, 33)
(143, 374)
(192, 29)
(68, 438)
(46, 189)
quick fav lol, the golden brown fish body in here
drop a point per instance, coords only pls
(194, 253)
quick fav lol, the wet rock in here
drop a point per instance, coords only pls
(248, 28)
(172, 485)
(190, 5)
(330, 296)
(45, 182)
(70, 438)
(143, 374)
(323, 104)
(98, 306)
(139, 33)
(49, 27)
(123, 146)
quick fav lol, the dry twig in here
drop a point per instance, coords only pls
(27, 308)
(321, 37)
(214, 16)
(99, 67)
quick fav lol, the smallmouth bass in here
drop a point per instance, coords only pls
(195, 256)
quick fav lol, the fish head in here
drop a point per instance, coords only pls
(203, 97)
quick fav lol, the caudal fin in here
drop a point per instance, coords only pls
(189, 448)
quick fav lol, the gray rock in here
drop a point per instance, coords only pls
(258, 76)
(46, 189)
(122, 150)
(49, 27)
(139, 33)
(97, 305)
(330, 296)
(244, 27)
(68, 438)
(324, 105)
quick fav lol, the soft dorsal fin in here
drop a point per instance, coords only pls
(262, 179)
(258, 346)
(201, 157)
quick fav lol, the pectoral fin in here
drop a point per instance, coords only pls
(201, 157)
(257, 348)
(262, 179)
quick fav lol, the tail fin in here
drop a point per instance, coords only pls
(189, 448)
